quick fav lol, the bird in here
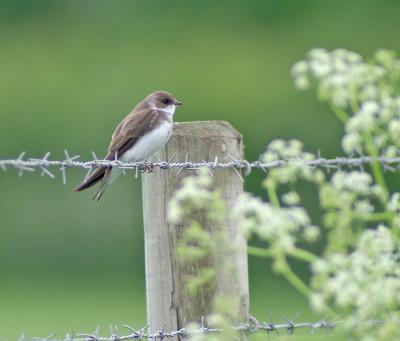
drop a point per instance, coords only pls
(143, 132)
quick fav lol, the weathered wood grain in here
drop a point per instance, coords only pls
(167, 298)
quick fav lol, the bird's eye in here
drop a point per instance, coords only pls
(166, 101)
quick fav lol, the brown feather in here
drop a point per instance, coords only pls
(92, 179)
(135, 125)
(103, 186)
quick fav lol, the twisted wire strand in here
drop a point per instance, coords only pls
(44, 164)
(252, 326)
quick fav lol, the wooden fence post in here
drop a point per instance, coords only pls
(166, 295)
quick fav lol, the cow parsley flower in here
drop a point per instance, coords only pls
(355, 181)
(394, 131)
(363, 207)
(365, 120)
(280, 227)
(393, 207)
(291, 198)
(394, 203)
(365, 281)
(364, 91)
(348, 200)
(352, 142)
(342, 77)
(196, 194)
(294, 166)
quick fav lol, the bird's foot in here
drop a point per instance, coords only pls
(148, 167)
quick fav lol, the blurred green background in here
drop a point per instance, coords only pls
(69, 71)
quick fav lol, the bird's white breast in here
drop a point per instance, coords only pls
(149, 143)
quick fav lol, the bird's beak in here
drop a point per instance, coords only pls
(178, 103)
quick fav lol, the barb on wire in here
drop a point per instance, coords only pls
(250, 327)
(22, 164)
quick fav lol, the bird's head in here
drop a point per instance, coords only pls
(162, 100)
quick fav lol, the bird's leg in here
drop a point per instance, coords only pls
(149, 167)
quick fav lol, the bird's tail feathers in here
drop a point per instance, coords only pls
(92, 179)
(104, 185)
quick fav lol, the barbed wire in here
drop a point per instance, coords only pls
(23, 164)
(251, 327)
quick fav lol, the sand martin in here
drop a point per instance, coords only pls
(143, 132)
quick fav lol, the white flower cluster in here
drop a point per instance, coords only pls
(394, 203)
(289, 150)
(196, 194)
(379, 119)
(393, 207)
(355, 182)
(280, 227)
(369, 89)
(346, 196)
(346, 188)
(365, 282)
(348, 201)
(340, 76)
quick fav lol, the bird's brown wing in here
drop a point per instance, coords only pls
(132, 127)
(135, 125)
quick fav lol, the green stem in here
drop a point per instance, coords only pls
(371, 149)
(273, 197)
(304, 255)
(286, 271)
(354, 105)
(259, 252)
(376, 168)
(293, 279)
(340, 113)
(379, 216)
(296, 281)
(297, 253)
